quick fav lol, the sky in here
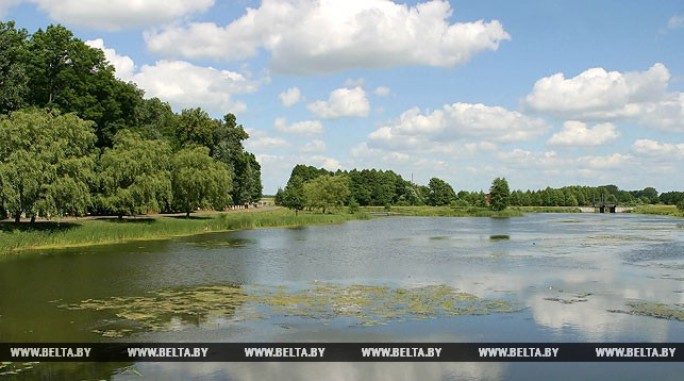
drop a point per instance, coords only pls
(543, 93)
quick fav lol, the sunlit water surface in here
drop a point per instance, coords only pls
(567, 278)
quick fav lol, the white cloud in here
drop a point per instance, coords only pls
(453, 123)
(675, 22)
(265, 143)
(602, 95)
(316, 146)
(342, 103)
(124, 65)
(114, 15)
(306, 127)
(330, 35)
(185, 85)
(578, 134)
(5, 5)
(382, 91)
(290, 97)
(615, 160)
(648, 147)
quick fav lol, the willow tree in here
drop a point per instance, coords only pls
(46, 164)
(325, 192)
(199, 181)
(135, 175)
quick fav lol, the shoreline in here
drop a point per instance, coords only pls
(97, 231)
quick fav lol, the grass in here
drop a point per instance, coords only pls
(88, 232)
(660, 210)
(443, 211)
(549, 209)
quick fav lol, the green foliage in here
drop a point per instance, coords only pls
(195, 128)
(499, 194)
(46, 163)
(441, 193)
(353, 206)
(325, 192)
(13, 78)
(134, 175)
(199, 181)
(66, 74)
(293, 195)
(46, 235)
(680, 206)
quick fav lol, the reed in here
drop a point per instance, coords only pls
(100, 231)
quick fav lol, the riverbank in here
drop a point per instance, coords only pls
(108, 230)
(103, 231)
(441, 211)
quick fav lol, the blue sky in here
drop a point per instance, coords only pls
(544, 93)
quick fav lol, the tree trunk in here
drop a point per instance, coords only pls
(187, 214)
(17, 217)
(33, 219)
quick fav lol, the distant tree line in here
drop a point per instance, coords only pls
(310, 187)
(75, 140)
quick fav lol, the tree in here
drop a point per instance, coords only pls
(325, 192)
(652, 195)
(46, 163)
(247, 186)
(66, 74)
(680, 206)
(199, 181)
(293, 195)
(195, 128)
(134, 175)
(13, 78)
(441, 193)
(499, 194)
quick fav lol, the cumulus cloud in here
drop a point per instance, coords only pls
(290, 97)
(578, 134)
(185, 85)
(112, 15)
(316, 146)
(602, 95)
(342, 103)
(265, 143)
(124, 65)
(648, 147)
(331, 35)
(456, 122)
(306, 127)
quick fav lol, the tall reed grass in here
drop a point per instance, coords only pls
(88, 232)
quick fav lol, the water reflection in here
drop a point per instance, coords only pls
(322, 371)
(567, 272)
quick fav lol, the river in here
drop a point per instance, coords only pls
(538, 278)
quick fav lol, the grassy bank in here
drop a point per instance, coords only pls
(443, 211)
(99, 231)
(660, 210)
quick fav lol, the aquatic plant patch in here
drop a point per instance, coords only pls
(210, 306)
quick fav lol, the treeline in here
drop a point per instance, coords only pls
(309, 187)
(75, 140)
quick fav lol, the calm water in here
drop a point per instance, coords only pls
(567, 274)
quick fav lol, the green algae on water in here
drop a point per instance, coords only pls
(209, 306)
(656, 310)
